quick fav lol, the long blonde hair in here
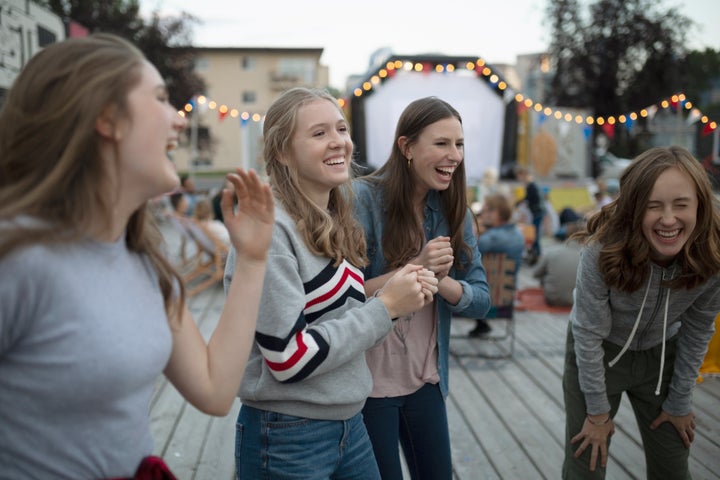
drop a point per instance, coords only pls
(50, 164)
(333, 233)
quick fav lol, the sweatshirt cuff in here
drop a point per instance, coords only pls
(596, 403)
(677, 405)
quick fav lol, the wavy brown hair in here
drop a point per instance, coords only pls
(333, 233)
(404, 237)
(624, 259)
(50, 163)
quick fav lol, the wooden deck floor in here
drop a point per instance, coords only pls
(506, 416)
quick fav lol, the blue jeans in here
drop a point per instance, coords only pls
(271, 445)
(537, 223)
(419, 422)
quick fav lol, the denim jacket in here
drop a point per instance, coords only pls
(475, 301)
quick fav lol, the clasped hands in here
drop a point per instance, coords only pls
(437, 256)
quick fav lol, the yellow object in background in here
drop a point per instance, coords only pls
(711, 364)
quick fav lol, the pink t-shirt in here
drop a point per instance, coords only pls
(407, 358)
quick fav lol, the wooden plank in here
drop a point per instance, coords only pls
(218, 455)
(498, 445)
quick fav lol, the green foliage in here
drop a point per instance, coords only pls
(700, 70)
(617, 55)
(166, 42)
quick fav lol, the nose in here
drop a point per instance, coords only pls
(456, 153)
(336, 140)
(667, 216)
(179, 122)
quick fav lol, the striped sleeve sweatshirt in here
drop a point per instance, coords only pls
(313, 327)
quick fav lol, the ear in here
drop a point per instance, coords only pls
(402, 143)
(106, 124)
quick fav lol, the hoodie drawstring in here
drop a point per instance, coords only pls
(634, 329)
(637, 322)
(662, 355)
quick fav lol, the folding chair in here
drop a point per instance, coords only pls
(502, 280)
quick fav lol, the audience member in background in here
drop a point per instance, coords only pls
(414, 211)
(570, 222)
(187, 186)
(179, 204)
(307, 378)
(91, 311)
(551, 221)
(498, 235)
(216, 207)
(534, 202)
(204, 215)
(602, 195)
(557, 270)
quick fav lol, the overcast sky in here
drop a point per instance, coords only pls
(349, 31)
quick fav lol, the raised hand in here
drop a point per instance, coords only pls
(436, 256)
(251, 224)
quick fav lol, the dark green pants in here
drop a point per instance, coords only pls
(636, 374)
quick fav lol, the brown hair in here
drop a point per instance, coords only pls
(333, 233)
(403, 237)
(625, 253)
(50, 164)
(203, 209)
(500, 203)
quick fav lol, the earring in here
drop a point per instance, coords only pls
(409, 161)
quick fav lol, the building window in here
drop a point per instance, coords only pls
(201, 64)
(45, 36)
(249, 97)
(247, 63)
(299, 69)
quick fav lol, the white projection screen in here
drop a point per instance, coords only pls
(481, 108)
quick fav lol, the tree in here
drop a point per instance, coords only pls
(700, 70)
(621, 55)
(166, 42)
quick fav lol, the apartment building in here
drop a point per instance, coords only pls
(225, 125)
(25, 28)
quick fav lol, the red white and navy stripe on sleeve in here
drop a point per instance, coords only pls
(295, 357)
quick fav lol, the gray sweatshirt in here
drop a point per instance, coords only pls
(601, 314)
(313, 328)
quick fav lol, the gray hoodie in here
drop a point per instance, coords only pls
(639, 321)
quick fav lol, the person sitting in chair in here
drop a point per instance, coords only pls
(497, 234)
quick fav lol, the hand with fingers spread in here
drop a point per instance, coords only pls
(405, 292)
(436, 256)
(251, 224)
(684, 424)
(594, 434)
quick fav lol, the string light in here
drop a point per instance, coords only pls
(678, 100)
